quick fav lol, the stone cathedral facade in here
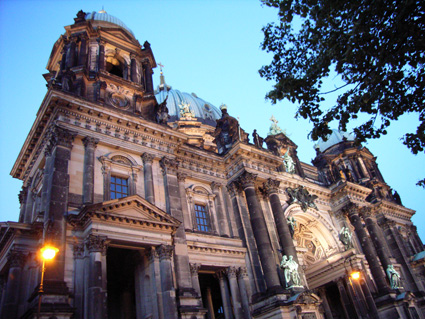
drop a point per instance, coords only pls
(161, 207)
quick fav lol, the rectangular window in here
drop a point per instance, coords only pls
(202, 220)
(119, 187)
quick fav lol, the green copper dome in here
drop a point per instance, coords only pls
(105, 17)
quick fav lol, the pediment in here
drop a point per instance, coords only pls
(119, 33)
(133, 210)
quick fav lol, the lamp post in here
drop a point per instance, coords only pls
(47, 253)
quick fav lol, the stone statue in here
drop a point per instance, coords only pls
(394, 277)
(68, 79)
(290, 267)
(289, 163)
(185, 112)
(346, 238)
(397, 198)
(162, 115)
(301, 196)
(292, 223)
(258, 141)
(274, 128)
(226, 131)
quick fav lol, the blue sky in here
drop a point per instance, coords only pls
(211, 48)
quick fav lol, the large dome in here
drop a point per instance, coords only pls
(103, 17)
(334, 138)
(204, 111)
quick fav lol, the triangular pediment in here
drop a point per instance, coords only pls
(132, 209)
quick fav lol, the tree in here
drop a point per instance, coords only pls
(376, 47)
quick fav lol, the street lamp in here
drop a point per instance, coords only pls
(47, 253)
(355, 275)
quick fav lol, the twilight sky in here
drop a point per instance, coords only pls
(211, 48)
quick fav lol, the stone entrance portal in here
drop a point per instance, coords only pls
(121, 266)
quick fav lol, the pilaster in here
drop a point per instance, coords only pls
(90, 144)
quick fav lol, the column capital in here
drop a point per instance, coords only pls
(78, 250)
(169, 165)
(16, 258)
(194, 268)
(247, 179)
(97, 243)
(216, 186)
(220, 274)
(181, 177)
(231, 272)
(366, 212)
(271, 186)
(233, 188)
(90, 142)
(152, 254)
(165, 251)
(147, 158)
(350, 209)
(23, 194)
(59, 136)
(242, 272)
(133, 55)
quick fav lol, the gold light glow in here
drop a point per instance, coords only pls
(355, 275)
(49, 252)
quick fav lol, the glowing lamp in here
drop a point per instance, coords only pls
(48, 252)
(355, 275)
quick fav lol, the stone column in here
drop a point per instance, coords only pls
(181, 177)
(97, 289)
(101, 61)
(325, 303)
(155, 275)
(148, 76)
(225, 295)
(245, 292)
(366, 244)
(260, 231)
(82, 56)
(369, 298)
(210, 306)
(148, 176)
(374, 233)
(11, 299)
(357, 298)
(246, 234)
(79, 280)
(174, 208)
(90, 144)
(235, 293)
(168, 293)
(223, 226)
(271, 187)
(396, 245)
(346, 304)
(194, 269)
(133, 67)
(55, 199)
(70, 56)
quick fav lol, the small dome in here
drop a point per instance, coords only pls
(334, 138)
(105, 17)
(204, 111)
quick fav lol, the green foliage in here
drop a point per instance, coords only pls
(376, 47)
